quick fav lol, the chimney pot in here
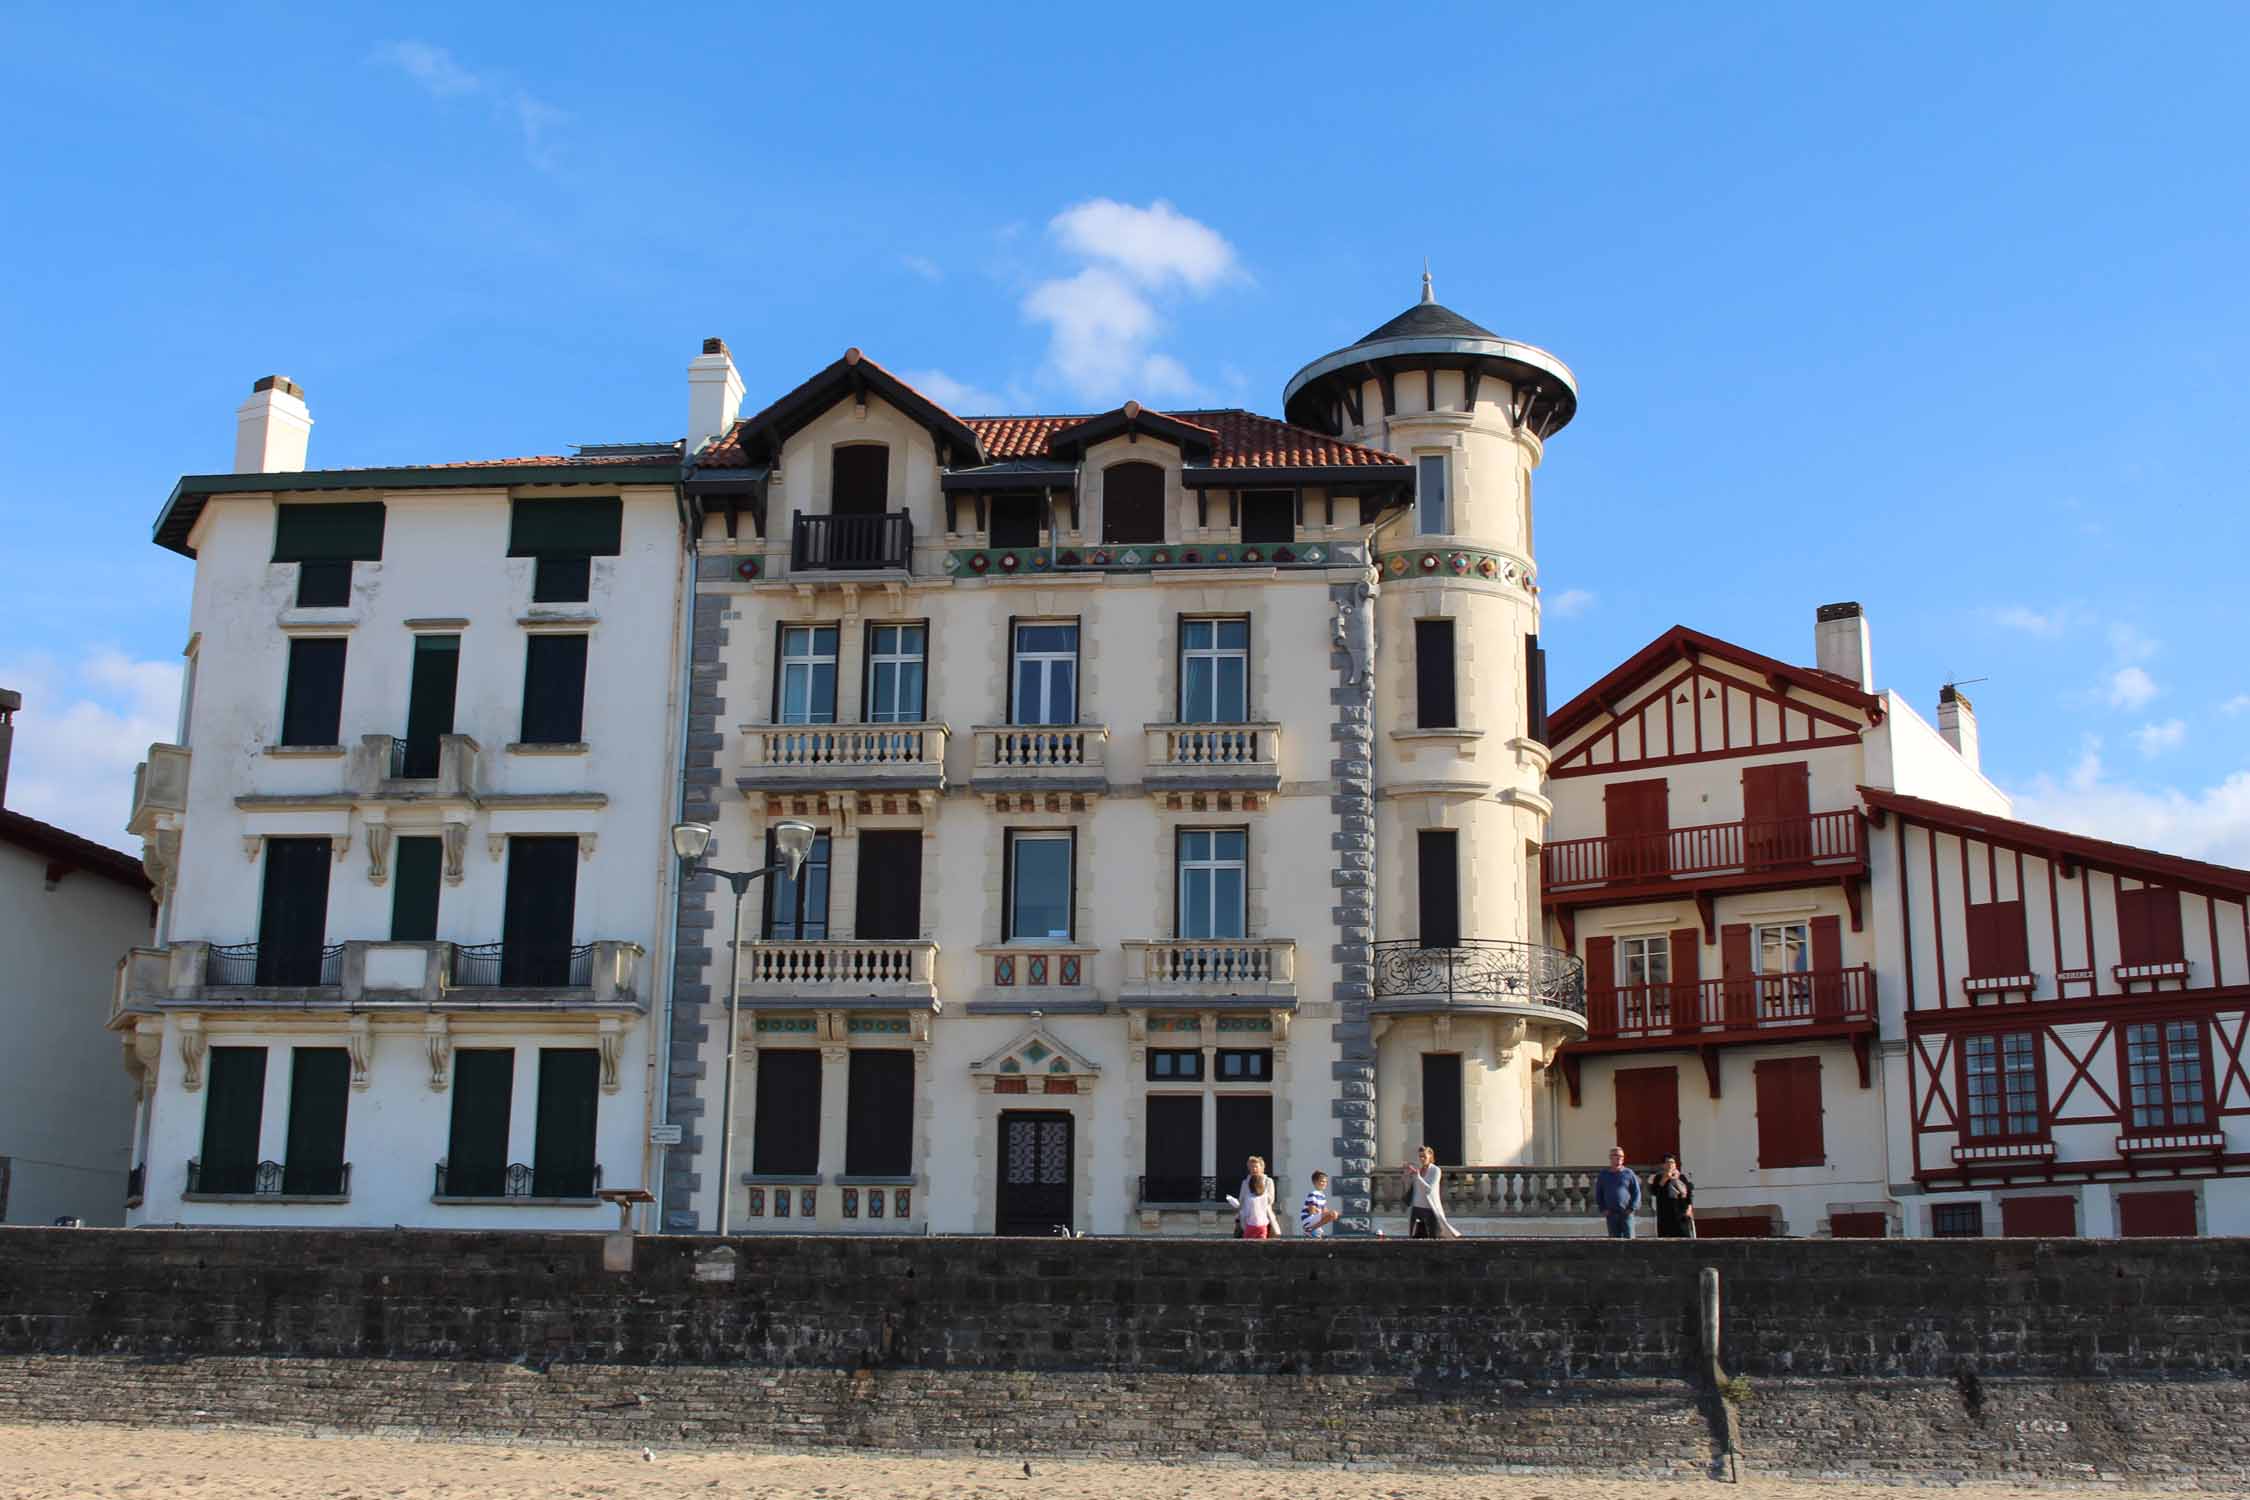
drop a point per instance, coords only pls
(714, 395)
(272, 428)
(10, 701)
(1840, 644)
(1957, 721)
(714, 346)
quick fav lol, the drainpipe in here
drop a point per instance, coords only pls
(653, 1157)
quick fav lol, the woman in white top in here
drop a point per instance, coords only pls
(1256, 1172)
(1426, 1218)
(1256, 1212)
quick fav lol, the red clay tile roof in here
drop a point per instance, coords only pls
(67, 851)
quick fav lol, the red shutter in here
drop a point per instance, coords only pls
(1998, 943)
(1648, 1113)
(1733, 1227)
(2051, 1216)
(1637, 816)
(1687, 972)
(1777, 813)
(1601, 985)
(1858, 1226)
(2154, 1214)
(2162, 914)
(1741, 1007)
(1789, 1113)
(1828, 965)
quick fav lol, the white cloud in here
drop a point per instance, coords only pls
(80, 733)
(2031, 621)
(2129, 644)
(1104, 320)
(922, 266)
(443, 76)
(1571, 603)
(2130, 687)
(1155, 245)
(2155, 739)
(2211, 824)
(956, 396)
(430, 66)
(2239, 703)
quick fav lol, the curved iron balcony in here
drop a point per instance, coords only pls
(1478, 974)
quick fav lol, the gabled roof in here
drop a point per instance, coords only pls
(2143, 864)
(754, 440)
(66, 852)
(1192, 439)
(1679, 644)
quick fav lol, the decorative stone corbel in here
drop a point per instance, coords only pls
(586, 845)
(456, 837)
(1378, 1027)
(919, 1022)
(835, 1025)
(835, 1054)
(1136, 1026)
(496, 844)
(611, 1037)
(192, 1046)
(1441, 1028)
(160, 861)
(378, 853)
(251, 842)
(1510, 1036)
(360, 1039)
(342, 844)
(148, 1046)
(1281, 1028)
(437, 1042)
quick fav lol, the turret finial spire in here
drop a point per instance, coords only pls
(1427, 294)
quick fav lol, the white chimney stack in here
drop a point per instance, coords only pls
(714, 395)
(271, 428)
(1957, 721)
(1840, 644)
(10, 701)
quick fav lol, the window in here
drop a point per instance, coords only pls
(562, 580)
(1862, 1225)
(879, 1130)
(2168, 1214)
(2047, 1216)
(1441, 1106)
(1045, 673)
(319, 1099)
(539, 911)
(476, 1149)
(804, 690)
(1648, 1113)
(896, 679)
(1245, 1065)
(786, 1139)
(1998, 947)
(1433, 510)
(1014, 520)
(1790, 1113)
(1245, 1129)
(1534, 690)
(312, 705)
(429, 702)
(1172, 1152)
(890, 884)
(563, 536)
(1214, 671)
(324, 541)
(1434, 704)
(1957, 1221)
(416, 867)
(1269, 516)
(554, 689)
(2000, 1084)
(797, 907)
(2148, 926)
(293, 913)
(1438, 871)
(1175, 1064)
(1645, 960)
(1132, 503)
(1782, 947)
(234, 1104)
(859, 479)
(1213, 869)
(2166, 1076)
(562, 1151)
(1040, 894)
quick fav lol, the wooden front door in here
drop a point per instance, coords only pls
(1037, 1153)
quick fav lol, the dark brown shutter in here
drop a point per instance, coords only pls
(890, 884)
(1434, 706)
(1687, 973)
(1601, 983)
(1776, 809)
(1438, 867)
(2168, 1214)
(1741, 986)
(2054, 1215)
(1441, 1107)
(1648, 1113)
(1244, 1126)
(1790, 1132)
(1637, 817)
(786, 1139)
(1828, 963)
(312, 708)
(554, 689)
(859, 480)
(1859, 1226)
(1132, 503)
(879, 1128)
(1010, 651)
(1172, 1157)
(1998, 943)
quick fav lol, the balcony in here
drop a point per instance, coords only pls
(269, 1181)
(393, 768)
(160, 787)
(1037, 758)
(1511, 1193)
(274, 966)
(1213, 757)
(546, 966)
(1742, 854)
(853, 971)
(1481, 974)
(1718, 1009)
(519, 1184)
(1262, 971)
(842, 757)
(852, 544)
(356, 976)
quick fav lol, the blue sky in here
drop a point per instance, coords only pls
(1939, 308)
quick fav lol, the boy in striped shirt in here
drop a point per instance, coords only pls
(1316, 1217)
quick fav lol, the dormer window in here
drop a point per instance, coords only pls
(1132, 503)
(859, 480)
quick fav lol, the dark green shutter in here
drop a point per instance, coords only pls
(429, 700)
(1434, 705)
(879, 1127)
(566, 528)
(1172, 1159)
(329, 533)
(1438, 868)
(539, 910)
(562, 1163)
(234, 1106)
(554, 689)
(319, 1099)
(415, 873)
(484, 1080)
(1245, 1130)
(890, 884)
(1441, 1107)
(293, 910)
(312, 705)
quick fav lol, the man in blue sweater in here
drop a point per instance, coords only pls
(1617, 1195)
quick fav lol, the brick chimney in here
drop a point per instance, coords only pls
(1957, 721)
(10, 701)
(272, 428)
(1840, 644)
(714, 395)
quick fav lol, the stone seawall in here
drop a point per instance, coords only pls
(2051, 1359)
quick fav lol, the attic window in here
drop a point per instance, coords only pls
(859, 480)
(1269, 516)
(324, 541)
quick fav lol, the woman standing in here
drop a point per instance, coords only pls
(1675, 1202)
(1426, 1218)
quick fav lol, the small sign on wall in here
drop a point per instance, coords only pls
(664, 1135)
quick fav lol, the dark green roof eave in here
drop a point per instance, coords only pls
(177, 518)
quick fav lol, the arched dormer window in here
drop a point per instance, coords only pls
(1132, 503)
(859, 479)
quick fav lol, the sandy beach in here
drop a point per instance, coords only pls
(76, 1462)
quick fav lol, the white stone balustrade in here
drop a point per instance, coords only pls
(1037, 757)
(1213, 756)
(1509, 1192)
(839, 968)
(1211, 966)
(793, 757)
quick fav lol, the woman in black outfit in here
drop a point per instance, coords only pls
(1675, 1202)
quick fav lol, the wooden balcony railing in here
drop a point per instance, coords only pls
(1721, 1005)
(1709, 849)
(1509, 1193)
(838, 543)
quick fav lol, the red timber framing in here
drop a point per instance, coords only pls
(2013, 930)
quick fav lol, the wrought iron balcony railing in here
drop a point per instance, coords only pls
(517, 1180)
(523, 966)
(834, 543)
(1480, 971)
(279, 965)
(269, 1179)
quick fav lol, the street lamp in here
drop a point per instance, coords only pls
(792, 841)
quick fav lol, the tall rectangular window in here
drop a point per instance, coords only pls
(554, 689)
(896, 676)
(1213, 871)
(1434, 703)
(234, 1106)
(785, 1139)
(429, 701)
(859, 479)
(1045, 673)
(2166, 1076)
(562, 1151)
(476, 1151)
(2000, 1086)
(1172, 1149)
(1244, 1128)
(1214, 671)
(312, 705)
(879, 1128)
(324, 540)
(293, 913)
(319, 1099)
(1441, 1106)
(539, 911)
(563, 537)
(797, 905)
(1782, 947)
(1438, 874)
(416, 870)
(805, 680)
(1040, 896)
(1646, 959)
(1791, 1116)
(1433, 509)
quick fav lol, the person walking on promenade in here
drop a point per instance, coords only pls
(1617, 1195)
(1675, 1201)
(1426, 1218)
(1316, 1220)
(1256, 1212)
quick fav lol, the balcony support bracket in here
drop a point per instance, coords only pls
(1707, 908)
(1710, 1056)
(1863, 1046)
(1852, 894)
(1567, 919)
(1569, 1061)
